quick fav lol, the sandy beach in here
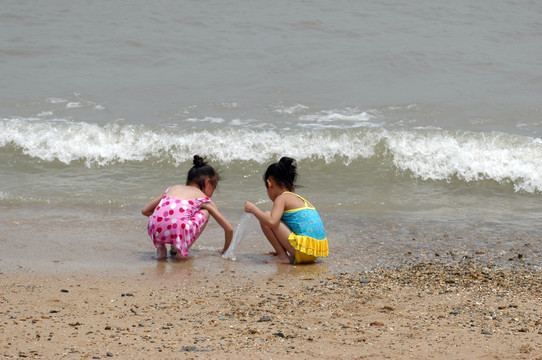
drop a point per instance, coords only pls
(421, 311)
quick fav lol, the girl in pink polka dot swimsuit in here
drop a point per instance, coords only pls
(180, 214)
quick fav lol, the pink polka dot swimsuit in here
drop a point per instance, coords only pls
(177, 222)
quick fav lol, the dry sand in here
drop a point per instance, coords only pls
(422, 311)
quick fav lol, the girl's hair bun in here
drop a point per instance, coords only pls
(201, 171)
(286, 162)
(199, 161)
(287, 166)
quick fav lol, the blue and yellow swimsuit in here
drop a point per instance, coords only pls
(308, 236)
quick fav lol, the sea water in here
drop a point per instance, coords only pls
(416, 126)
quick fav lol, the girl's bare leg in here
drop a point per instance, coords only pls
(278, 237)
(161, 252)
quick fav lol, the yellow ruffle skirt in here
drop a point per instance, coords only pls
(308, 248)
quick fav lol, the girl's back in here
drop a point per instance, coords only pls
(293, 201)
(183, 192)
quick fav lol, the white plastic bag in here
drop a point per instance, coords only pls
(248, 223)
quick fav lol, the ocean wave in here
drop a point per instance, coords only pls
(428, 154)
(102, 145)
(469, 156)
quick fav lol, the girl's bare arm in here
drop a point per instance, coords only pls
(149, 208)
(221, 220)
(268, 219)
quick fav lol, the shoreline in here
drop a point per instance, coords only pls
(123, 247)
(419, 311)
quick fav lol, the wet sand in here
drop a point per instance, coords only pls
(423, 310)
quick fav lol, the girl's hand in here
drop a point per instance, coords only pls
(249, 207)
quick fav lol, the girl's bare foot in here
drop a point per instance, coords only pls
(278, 260)
(161, 253)
(180, 256)
(273, 253)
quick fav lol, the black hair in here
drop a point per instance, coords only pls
(201, 171)
(284, 173)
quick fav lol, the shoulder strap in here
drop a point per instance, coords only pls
(299, 196)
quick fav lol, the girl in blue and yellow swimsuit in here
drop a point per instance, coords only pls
(293, 227)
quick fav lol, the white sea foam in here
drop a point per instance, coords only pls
(69, 141)
(57, 100)
(345, 119)
(424, 153)
(289, 110)
(470, 157)
(212, 120)
(73, 105)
